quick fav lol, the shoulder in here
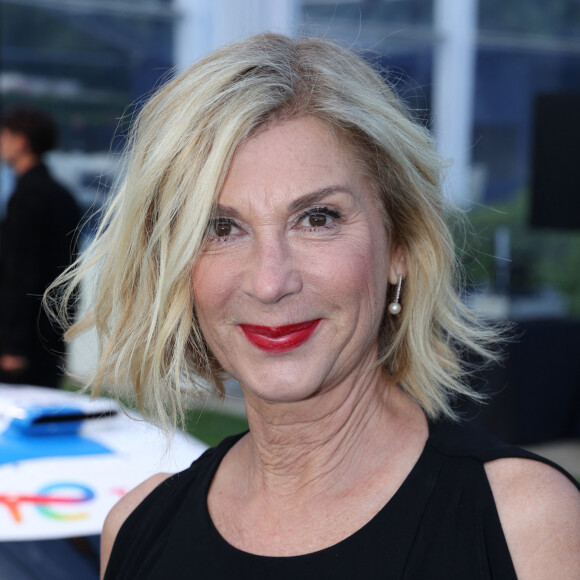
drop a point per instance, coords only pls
(39, 184)
(121, 511)
(539, 510)
(538, 505)
(166, 498)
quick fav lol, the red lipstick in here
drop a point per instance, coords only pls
(279, 338)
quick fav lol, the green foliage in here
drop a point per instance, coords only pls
(541, 258)
(212, 426)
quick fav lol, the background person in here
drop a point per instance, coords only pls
(281, 221)
(37, 242)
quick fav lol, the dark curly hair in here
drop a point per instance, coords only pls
(38, 127)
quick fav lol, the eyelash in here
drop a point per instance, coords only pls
(325, 211)
(212, 236)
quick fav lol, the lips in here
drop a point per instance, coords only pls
(279, 338)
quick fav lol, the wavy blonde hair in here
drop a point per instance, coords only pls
(180, 149)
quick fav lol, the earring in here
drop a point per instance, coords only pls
(394, 306)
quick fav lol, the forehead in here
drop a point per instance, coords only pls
(288, 159)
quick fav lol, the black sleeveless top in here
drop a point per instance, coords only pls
(442, 523)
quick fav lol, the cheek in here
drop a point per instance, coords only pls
(360, 260)
(209, 289)
(216, 280)
(354, 273)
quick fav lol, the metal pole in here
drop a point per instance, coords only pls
(204, 25)
(455, 23)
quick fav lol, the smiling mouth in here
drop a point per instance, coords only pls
(279, 338)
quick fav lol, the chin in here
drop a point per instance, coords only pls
(282, 390)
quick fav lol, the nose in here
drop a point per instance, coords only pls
(271, 272)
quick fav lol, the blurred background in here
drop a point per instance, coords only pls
(497, 82)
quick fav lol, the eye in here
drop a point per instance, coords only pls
(319, 217)
(222, 228)
(317, 220)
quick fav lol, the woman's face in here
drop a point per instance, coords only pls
(291, 288)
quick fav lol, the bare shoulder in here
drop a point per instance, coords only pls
(121, 511)
(539, 509)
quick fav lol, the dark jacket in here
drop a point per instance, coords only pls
(37, 242)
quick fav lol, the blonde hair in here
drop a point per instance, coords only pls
(179, 152)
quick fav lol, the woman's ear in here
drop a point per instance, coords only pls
(397, 265)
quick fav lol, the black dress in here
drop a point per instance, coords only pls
(441, 523)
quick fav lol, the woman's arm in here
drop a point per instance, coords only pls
(120, 512)
(539, 509)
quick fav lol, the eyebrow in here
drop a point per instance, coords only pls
(302, 202)
(316, 197)
(226, 211)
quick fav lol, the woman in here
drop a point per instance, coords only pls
(281, 221)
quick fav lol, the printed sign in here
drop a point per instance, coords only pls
(68, 493)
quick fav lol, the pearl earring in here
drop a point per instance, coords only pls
(394, 306)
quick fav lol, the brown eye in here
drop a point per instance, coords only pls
(320, 219)
(223, 229)
(317, 220)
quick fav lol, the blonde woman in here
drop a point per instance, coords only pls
(281, 221)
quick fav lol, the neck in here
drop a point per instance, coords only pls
(299, 447)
